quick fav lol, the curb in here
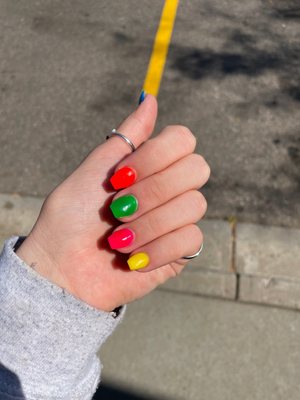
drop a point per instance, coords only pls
(240, 261)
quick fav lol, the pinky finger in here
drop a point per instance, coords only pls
(167, 249)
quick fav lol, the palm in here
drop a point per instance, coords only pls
(91, 270)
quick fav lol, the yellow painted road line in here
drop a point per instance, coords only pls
(160, 47)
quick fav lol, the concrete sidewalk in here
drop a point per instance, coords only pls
(195, 338)
(183, 347)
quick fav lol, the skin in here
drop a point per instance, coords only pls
(68, 244)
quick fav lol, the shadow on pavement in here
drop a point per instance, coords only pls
(11, 386)
(288, 9)
(106, 392)
(250, 48)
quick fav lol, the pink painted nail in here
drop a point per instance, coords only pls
(121, 238)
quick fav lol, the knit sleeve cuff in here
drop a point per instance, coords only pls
(49, 338)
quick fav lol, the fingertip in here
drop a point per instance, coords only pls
(148, 107)
(139, 126)
(147, 113)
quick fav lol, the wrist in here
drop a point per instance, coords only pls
(34, 255)
(47, 328)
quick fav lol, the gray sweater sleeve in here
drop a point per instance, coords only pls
(48, 338)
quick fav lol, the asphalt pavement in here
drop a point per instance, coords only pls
(70, 71)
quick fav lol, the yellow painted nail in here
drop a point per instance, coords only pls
(138, 261)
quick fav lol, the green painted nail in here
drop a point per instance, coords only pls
(124, 206)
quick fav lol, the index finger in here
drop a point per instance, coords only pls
(155, 155)
(138, 127)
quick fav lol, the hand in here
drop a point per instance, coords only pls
(68, 244)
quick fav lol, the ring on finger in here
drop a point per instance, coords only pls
(194, 255)
(123, 137)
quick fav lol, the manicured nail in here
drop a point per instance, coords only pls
(124, 206)
(121, 238)
(138, 261)
(142, 96)
(123, 178)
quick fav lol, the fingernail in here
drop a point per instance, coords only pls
(138, 261)
(123, 178)
(142, 96)
(124, 206)
(121, 238)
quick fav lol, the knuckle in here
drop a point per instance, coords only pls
(200, 162)
(155, 191)
(201, 168)
(185, 136)
(197, 161)
(205, 168)
(137, 120)
(195, 238)
(142, 125)
(175, 269)
(204, 204)
(154, 225)
(196, 234)
(199, 203)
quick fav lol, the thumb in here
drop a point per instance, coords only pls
(138, 127)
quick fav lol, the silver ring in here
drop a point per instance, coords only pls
(194, 255)
(128, 141)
